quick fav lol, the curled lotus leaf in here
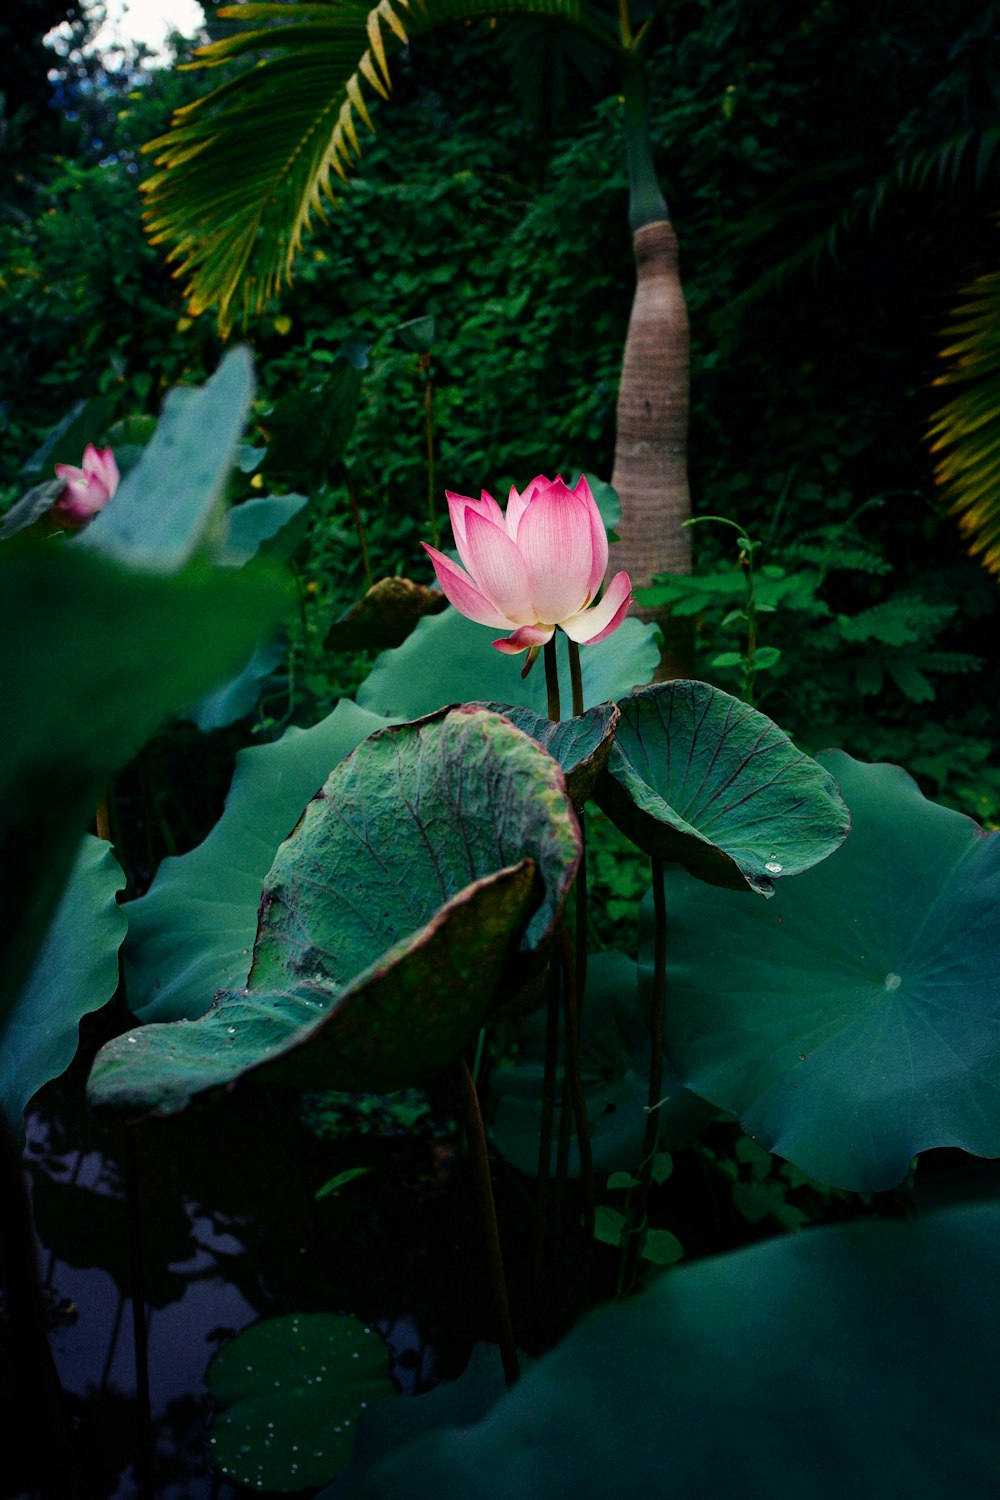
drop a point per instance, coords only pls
(581, 745)
(416, 894)
(698, 778)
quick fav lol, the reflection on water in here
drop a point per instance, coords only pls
(231, 1232)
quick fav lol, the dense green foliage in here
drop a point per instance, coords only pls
(821, 249)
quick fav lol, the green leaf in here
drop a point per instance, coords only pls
(414, 897)
(621, 1180)
(244, 170)
(766, 656)
(75, 971)
(274, 524)
(728, 659)
(168, 505)
(211, 894)
(614, 1055)
(698, 777)
(290, 1391)
(581, 745)
(238, 697)
(449, 659)
(823, 1364)
(341, 1180)
(853, 1021)
(85, 423)
(309, 429)
(661, 1248)
(388, 1425)
(92, 660)
(609, 1225)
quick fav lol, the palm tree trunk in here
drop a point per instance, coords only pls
(650, 471)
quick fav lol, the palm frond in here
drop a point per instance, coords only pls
(966, 431)
(243, 171)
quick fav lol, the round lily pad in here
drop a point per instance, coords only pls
(854, 1020)
(416, 895)
(699, 778)
(290, 1391)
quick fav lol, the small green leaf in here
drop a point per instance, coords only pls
(609, 1225)
(729, 659)
(619, 1180)
(661, 1248)
(663, 1166)
(766, 656)
(341, 1180)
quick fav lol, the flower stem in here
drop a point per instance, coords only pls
(476, 1136)
(552, 681)
(576, 678)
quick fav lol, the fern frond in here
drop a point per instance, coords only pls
(966, 430)
(243, 172)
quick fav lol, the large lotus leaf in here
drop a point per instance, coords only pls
(698, 777)
(855, 1020)
(92, 660)
(75, 971)
(410, 901)
(614, 1059)
(854, 1360)
(449, 659)
(211, 894)
(386, 1425)
(290, 1391)
(580, 745)
(168, 505)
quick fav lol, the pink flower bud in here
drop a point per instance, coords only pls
(88, 489)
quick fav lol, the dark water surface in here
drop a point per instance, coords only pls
(231, 1231)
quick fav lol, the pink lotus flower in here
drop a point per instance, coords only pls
(534, 569)
(88, 489)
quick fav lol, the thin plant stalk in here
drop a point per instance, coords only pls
(552, 681)
(476, 1136)
(639, 1205)
(359, 526)
(576, 678)
(425, 362)
(576, 683)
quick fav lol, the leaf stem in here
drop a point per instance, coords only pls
(425, 361)
(479, 1155)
